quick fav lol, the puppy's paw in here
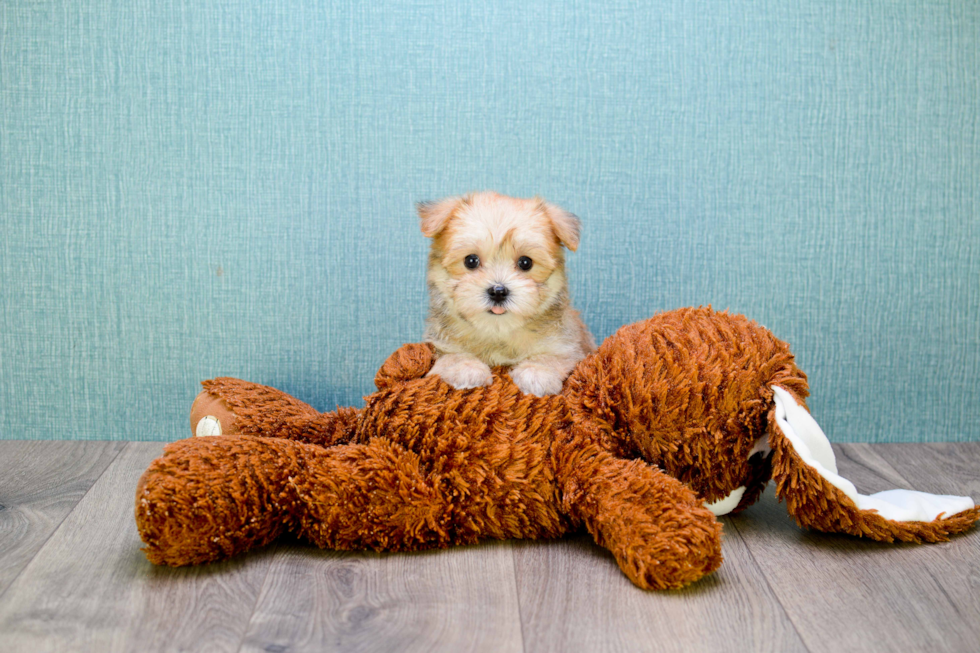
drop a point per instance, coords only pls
(462, 371)
(540, 379)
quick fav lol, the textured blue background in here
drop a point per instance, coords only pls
(191, 189)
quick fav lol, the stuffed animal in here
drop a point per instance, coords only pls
(671, 422)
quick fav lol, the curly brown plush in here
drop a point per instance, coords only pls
(671, 421)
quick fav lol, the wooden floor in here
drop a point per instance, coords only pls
(72, 577)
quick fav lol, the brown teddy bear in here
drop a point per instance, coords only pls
(671, 421)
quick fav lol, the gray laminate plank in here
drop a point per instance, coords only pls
(574, 598)
(90, 588)
(947, 468)
(460, 599)
(40, 482)
(847, 594)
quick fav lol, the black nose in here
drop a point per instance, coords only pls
(498, 293)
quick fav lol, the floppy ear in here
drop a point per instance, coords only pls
(566, 225)
(805, 470)
(435, 215)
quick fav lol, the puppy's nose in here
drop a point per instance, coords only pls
(498, 293)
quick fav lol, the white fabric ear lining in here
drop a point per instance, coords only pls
(726, 505)
(813, 447)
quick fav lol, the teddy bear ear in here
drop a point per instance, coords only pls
(435, 215)
(805, 471)
(567, 226)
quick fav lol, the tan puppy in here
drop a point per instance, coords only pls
(498, 294)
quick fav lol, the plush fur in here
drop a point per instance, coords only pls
(666, 415)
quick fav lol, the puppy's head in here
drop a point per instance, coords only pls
(497, 261)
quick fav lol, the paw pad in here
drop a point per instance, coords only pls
(208, 425)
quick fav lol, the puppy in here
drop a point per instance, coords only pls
(498, 295)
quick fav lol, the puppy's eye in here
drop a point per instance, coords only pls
(472, 261)
(524, 263)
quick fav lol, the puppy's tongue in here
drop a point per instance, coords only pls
(498, 310)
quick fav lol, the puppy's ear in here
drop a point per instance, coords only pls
(435, 215)
(566, 225)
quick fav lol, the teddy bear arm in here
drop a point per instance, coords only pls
(659, 533)
(408, 362)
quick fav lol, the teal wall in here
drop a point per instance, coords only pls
(191, 189)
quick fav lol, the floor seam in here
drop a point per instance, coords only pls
(13, 581)
(258, 597)
(517, 594)
(772, 590)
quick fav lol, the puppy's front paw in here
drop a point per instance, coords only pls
(461, 371)
(537, 379)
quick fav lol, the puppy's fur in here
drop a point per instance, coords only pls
(487, 306)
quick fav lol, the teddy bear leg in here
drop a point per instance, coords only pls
(378, 496)
(654, 525)
(210, 416)
(230, 406)
(210, 498)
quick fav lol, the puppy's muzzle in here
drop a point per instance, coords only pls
(498, 293)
